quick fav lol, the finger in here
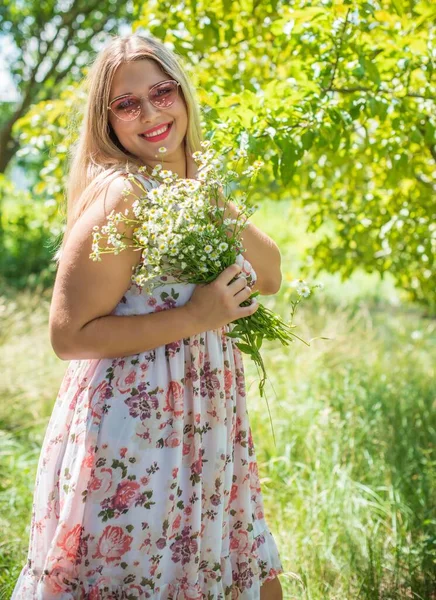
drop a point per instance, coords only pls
(228, 274)
(243, 293)
(238, 284)
(246, 311)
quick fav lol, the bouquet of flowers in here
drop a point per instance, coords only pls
(182, 229)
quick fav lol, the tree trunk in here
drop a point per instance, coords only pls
(8, 146)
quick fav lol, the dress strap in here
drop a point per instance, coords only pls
(147, 182)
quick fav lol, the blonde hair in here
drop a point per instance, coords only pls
(97, 156)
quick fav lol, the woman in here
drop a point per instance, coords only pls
(147, 484)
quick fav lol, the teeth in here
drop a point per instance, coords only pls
(158, 132)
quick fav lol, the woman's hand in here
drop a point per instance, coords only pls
(216, 304)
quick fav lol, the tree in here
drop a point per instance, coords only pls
(338, 99)
(339, 96)
(52, 41)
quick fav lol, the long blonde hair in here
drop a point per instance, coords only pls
(97, 157)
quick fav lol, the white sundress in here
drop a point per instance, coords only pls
(147, 484)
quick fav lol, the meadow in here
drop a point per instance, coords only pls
(350, 487)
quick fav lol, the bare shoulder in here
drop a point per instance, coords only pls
(85, 289)
(119, 195)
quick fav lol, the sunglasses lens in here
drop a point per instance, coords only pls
(164, 94)
(127, 108)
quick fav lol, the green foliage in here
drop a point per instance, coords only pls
(50, 42)
(338, 98)
(46, 133)
(349, 490)
(53, 40)
(27, 230)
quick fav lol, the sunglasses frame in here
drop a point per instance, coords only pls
(142, 98)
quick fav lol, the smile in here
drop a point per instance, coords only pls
(157, 135)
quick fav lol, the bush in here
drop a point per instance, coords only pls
(29, 230)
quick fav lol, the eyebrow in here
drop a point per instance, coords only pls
(132, 94)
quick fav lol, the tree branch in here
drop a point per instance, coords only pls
(352, 90)
(338, 48)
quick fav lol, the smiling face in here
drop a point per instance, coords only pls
(136, 78)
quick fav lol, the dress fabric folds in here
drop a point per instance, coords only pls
(147, 484)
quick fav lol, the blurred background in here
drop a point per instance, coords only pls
(338, 99)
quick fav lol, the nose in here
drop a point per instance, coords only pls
(148, 110)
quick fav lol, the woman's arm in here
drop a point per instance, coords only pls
(113, 336)
(86, 292)
(261, 251)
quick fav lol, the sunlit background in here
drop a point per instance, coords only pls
(338, 99)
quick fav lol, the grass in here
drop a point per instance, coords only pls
(349, 490)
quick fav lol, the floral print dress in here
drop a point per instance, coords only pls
(147, 484)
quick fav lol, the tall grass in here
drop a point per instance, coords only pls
(349, 490)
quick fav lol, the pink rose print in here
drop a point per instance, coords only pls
(254, 477)
(106, 479)
(240, 541)
(173, 440)
(88, 461)
(228, 380)
(176, 523)
(112, 544)
(57, 581)
(197, 465)
(126, 494)
(65, 383)
(234, 492)
(69, 543)
(95, 592)
(125, 381)
(74, 399)
(258, 512)
(172, 348)
(174, 398)
(102, 391)
(94, 484)
(191, 591)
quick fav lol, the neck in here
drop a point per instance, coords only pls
(175, 162)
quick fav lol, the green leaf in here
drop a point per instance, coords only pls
(244, 348)
(307, 139)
